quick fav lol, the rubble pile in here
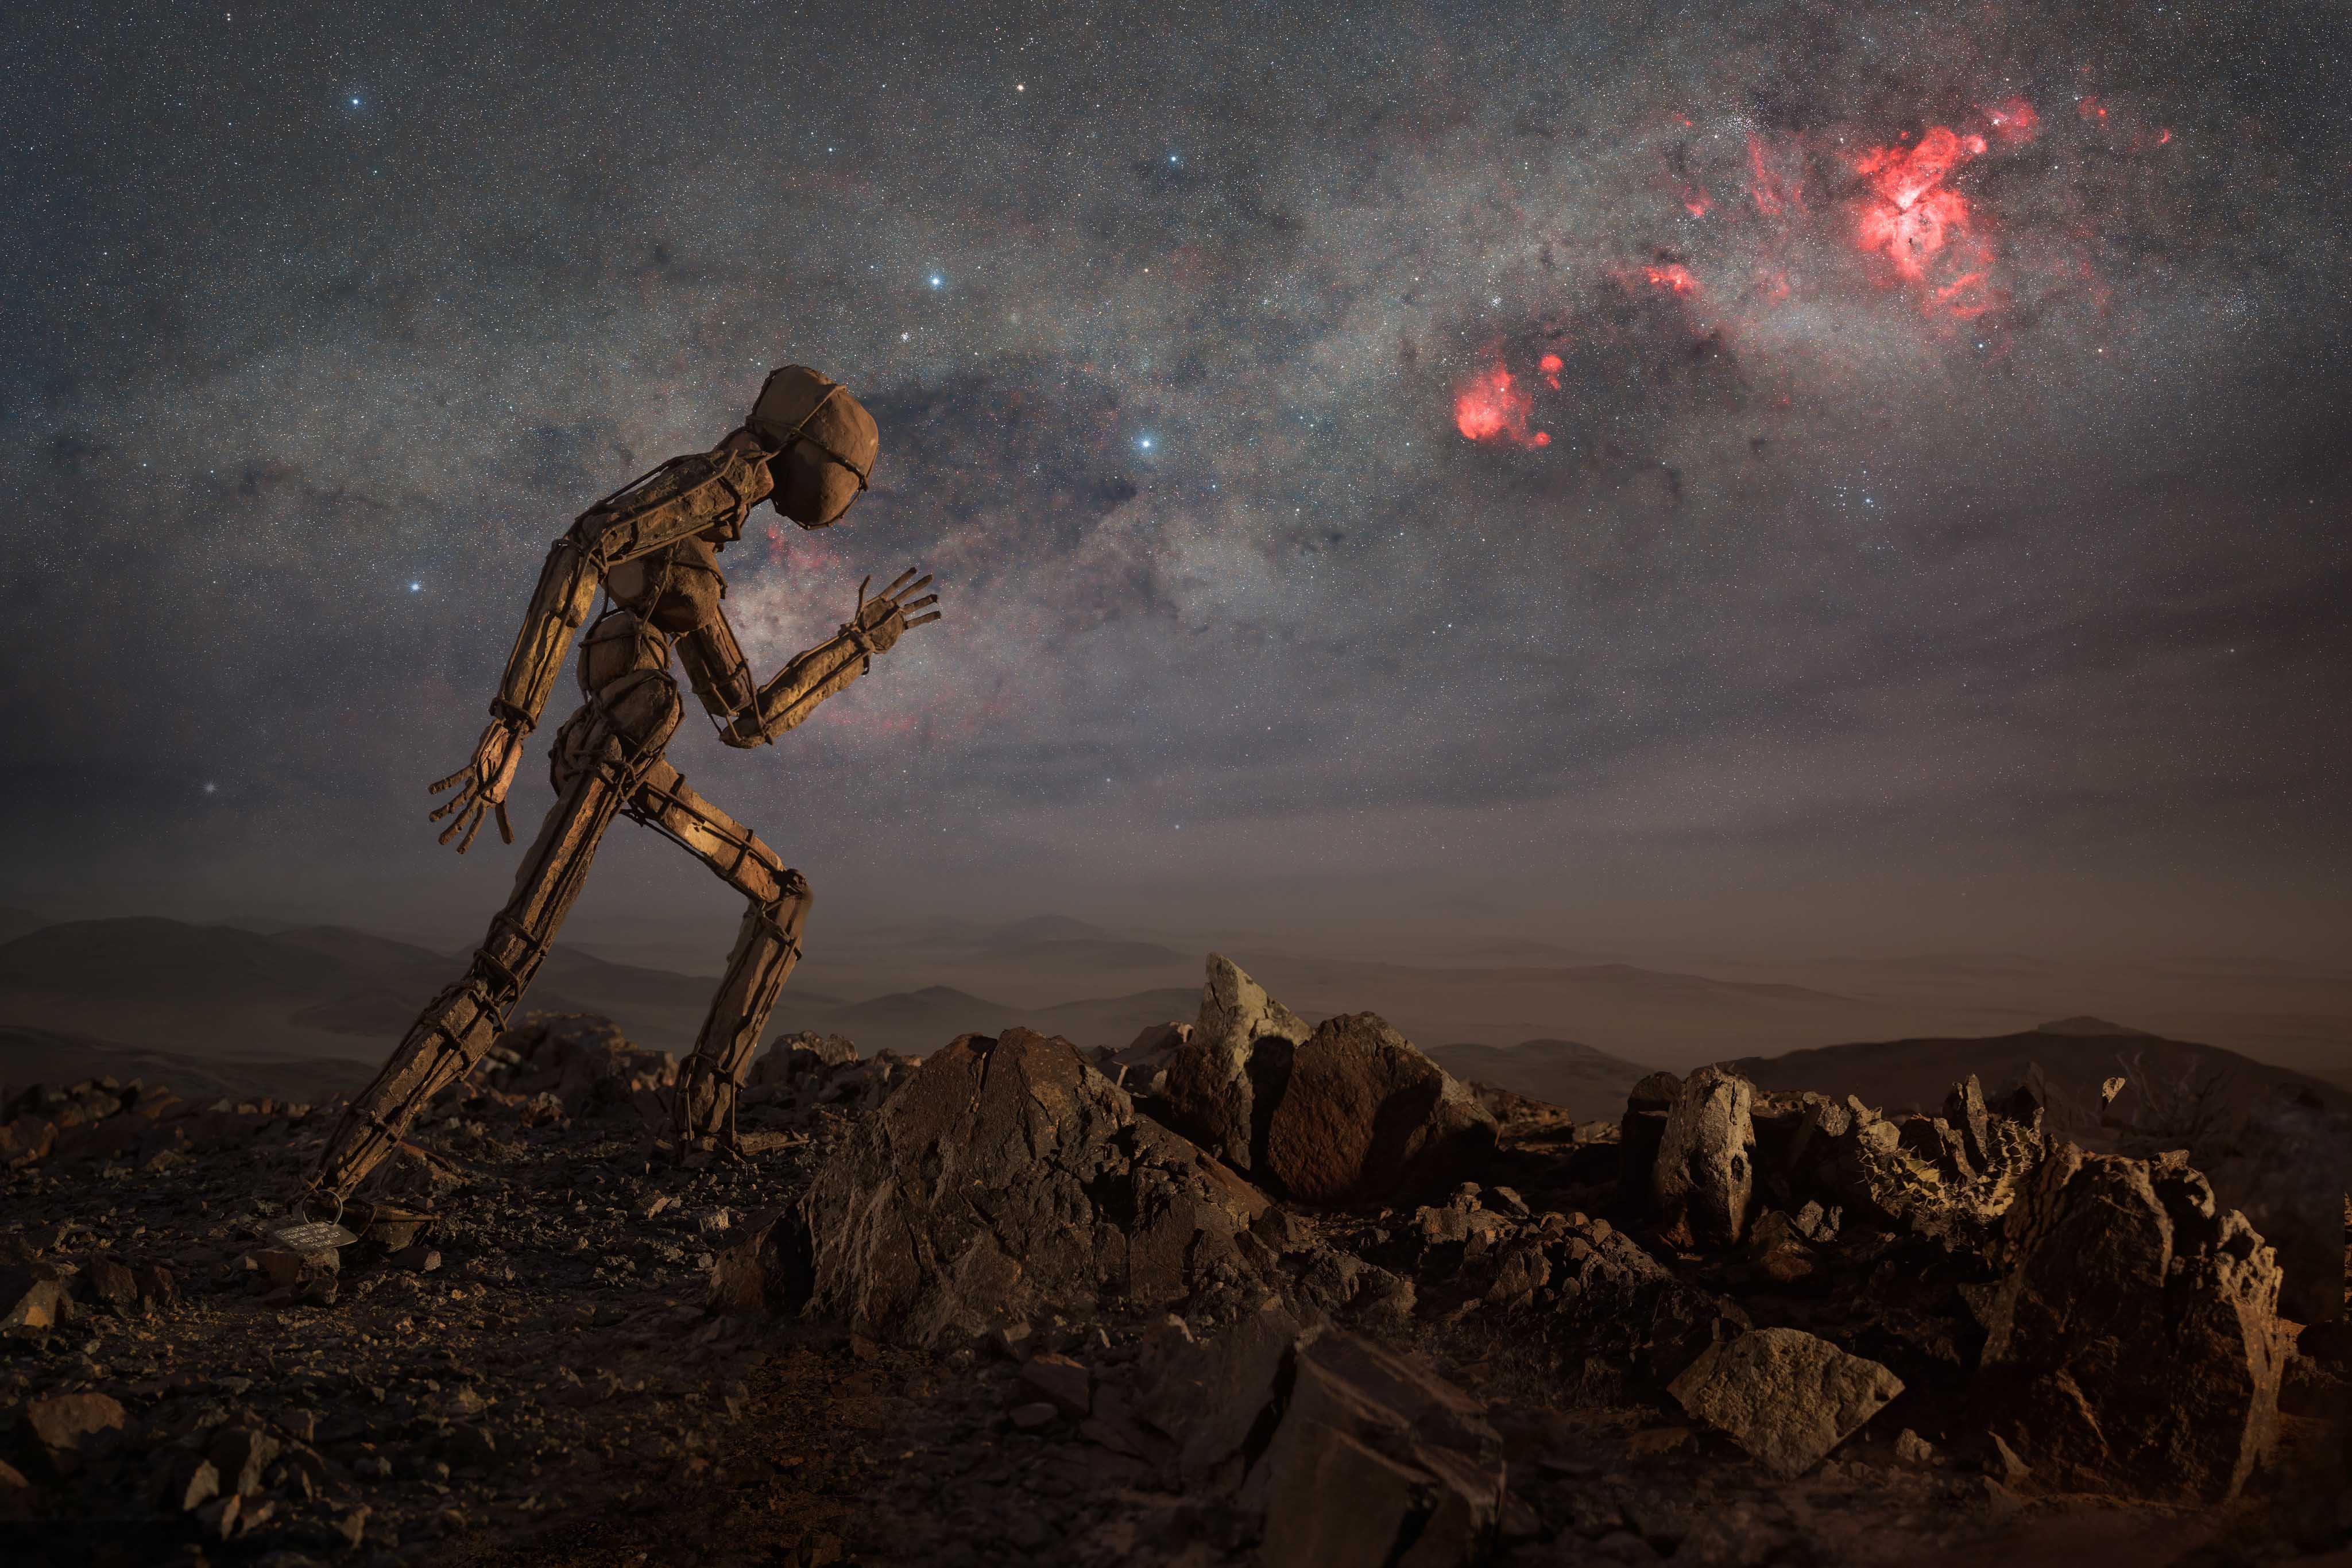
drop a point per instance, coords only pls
(1247, 1291)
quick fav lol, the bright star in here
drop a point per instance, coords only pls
(415, 587)
(938, 282)
(356, 103)
(1144, 442)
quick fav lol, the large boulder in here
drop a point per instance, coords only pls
(1365, 1115)
(1007, 1178)
(1786, 1396)
(1347, 1113)
(1240, 1043)
(2133, 1344)
(1704, 1173)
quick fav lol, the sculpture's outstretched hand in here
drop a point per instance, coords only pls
(884, 618)
(486, 781)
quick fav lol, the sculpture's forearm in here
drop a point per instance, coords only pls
(793, 692)
(559, 607)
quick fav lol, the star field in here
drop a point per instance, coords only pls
(2004, 537)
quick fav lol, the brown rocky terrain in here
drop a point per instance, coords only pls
(1249, 1291)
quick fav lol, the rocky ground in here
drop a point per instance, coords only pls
(1249, 1291)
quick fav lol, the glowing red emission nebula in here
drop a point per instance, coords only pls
(1493, 406)
(1917, 221)
(1673, 276)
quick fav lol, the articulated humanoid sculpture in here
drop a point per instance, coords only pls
(808, 447)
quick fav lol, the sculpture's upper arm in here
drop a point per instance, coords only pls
(683, 498)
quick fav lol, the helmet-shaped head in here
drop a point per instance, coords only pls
(824, 440)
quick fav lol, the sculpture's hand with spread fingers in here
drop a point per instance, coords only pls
(486, 781)
(884, 618)
(794, 691)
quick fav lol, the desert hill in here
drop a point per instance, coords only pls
(2071, 1057)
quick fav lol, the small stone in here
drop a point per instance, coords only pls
(1658, 1440)
(112, 1283)
(417, 1260)
(1062, 1382)
(1913, 1450)
(284, 1269)
(1034, 1417)
(31, 1299)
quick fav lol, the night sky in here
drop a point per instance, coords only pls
(1907, 506)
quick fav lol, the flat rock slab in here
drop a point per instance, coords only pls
(1786, 1396)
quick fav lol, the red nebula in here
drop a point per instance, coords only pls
(1673, 276)
(1696, 202)
(2090, 108)
(1549, 366)
(2014, 121)
(1912, 214)
(1493, 407)
(1772, 195)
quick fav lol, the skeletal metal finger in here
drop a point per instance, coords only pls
(918, 604)
(901, 582)
(467, 841)
(922, 619)
(505, 832)
(451, 781)
(454, 804)
(451, 831)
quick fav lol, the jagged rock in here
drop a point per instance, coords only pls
(1376, 1460)
(1364, 1116)
(2286, 1166)
(1704, 1175)
(1786, 1396)
(1008, 1176)
(188, 1482)
(239, 1456)
(1222, 1081)
(1142, 1067)
(2133, 1345)
(1642, 1130)
(797, 1055)
(1963, 1108)
(1208, 1397)
(18, 1503)
(583, 1061)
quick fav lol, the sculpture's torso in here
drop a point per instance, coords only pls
(656, 599)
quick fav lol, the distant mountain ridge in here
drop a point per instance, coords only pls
(1589, 1084)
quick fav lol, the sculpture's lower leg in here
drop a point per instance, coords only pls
(600, 754)
(766, 948)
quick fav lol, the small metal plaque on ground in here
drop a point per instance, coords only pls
(312, 1236)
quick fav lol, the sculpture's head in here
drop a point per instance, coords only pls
(823, 442)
